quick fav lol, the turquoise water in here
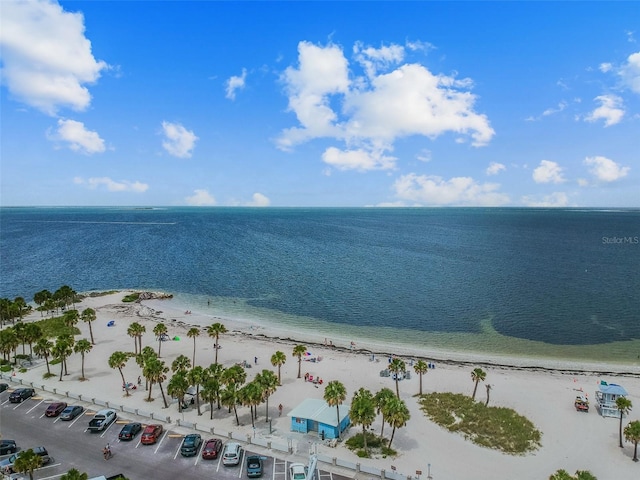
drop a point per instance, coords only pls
(560, 283)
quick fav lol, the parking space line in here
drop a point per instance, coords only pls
(29, 411)
(166, 432)
(75, 420)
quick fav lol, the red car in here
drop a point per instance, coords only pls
(211, 448)
(151, 434)
(55, 409)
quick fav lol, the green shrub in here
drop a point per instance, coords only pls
(5, 368)
(131, 297)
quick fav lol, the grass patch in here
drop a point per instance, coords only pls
(54, 327)
(5, 368)
(376, 446)
(493, 427)
(48, 375)
(132, 297)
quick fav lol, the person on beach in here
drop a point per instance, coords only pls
(280, 410)
(255, 360)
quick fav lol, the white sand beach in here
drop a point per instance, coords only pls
(570, 440)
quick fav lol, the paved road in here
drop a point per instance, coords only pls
(72, 446)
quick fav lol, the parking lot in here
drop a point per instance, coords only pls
(71, 445)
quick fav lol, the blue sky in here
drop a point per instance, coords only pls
(320, 103)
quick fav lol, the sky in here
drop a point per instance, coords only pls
(319, 104)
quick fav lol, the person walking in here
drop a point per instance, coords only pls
(280, 410)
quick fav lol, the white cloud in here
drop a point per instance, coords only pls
(556, 199)
(610, 110)
(630, 72)
(424, 155)
(605, 67)
(605, 169)
(78, 137)
(235, 83)
(46, 58)
(111, 185)
(494, 168)
(583, 182)
(550, 111)
(378, 108)
(548, 172)
(259, 200)
(361, 160)
(434, 190)
(200, 198)
(178, 141)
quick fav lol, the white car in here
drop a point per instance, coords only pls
(297, 471)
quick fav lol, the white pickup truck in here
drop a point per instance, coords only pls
(102, 420)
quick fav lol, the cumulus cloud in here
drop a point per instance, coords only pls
(235, 83)
(630, 72)
(390, 101)
(178, 141)
(78, 137)
(111, 185)
(434, 190)
(610, 110)
(360, 159)
(495, 168)
(605, 169)
(548, 172)
(47, 60)
(555, 199)
(259, 200)
(200, 198)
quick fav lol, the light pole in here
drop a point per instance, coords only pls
(429, 477)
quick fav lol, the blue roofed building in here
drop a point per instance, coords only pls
(606, 397)
(315, 415)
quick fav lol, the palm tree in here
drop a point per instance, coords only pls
(421, 367)
(40, 297)
(27, 462)
(119, 360)
(623, 404)
(193, 333)
(268, 383)
(181, 364)
(139, 330)
(61, 350)
(251, 395)
(74, 474)
(8, 342)
(277, 360)
(160, 330)
(477, 375)
(195, 377)
(632, 434)
(397, 367)
(131, 331)
(489, 387)
(145, 356)
(397, 415)
(82, 347)
(363, 411)
(230, 397)
(32, 333)
(44, 348)
(211, 386)
(71, 317)
(215, 331)
(334, 395)
(88, 315)
(380, 400)
(299, 351)
(156, 371)
(178, 386)
(70, 341)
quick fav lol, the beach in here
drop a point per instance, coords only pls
(542, 392)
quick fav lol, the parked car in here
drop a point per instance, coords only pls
(6, 465)
(297, 471)
(254, 466)
(211, 448)
(8, 446)
(71, 412)
(129, 431)
(231, 454)
(151, 434)
(190, 445)
(102, 420)
(3, 387)
(20, 394)
(55, 409)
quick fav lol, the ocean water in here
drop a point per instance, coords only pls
(561, 283)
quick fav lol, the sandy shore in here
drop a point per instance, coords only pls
(544, 394)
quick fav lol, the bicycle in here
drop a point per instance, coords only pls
(107, 453)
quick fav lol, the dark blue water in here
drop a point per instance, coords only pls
(553, 276)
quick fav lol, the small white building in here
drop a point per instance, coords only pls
(606, 397)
